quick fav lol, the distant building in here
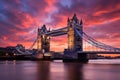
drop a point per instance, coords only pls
(10, 50)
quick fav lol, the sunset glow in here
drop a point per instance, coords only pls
(19, 20)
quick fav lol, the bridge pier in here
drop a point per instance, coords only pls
(43, 43)
(75, 43)
(74, 56)
(82, 57)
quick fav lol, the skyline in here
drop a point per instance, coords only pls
(21, 18)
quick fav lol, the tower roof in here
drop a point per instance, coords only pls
(68, 19)
(81, 22)
(44, 28)
(75, 18)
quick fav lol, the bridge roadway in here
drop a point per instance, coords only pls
(58, 32)
(98, 52)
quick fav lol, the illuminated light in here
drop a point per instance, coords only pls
(48, 37)
(6, 62)
(70, 38)
(47, 54)
(39, 43)
(40, 56)
(14, 61)
(14, 54)
(6, 54)
(43, 50)
(43, 36)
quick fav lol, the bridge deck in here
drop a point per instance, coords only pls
(58, 32)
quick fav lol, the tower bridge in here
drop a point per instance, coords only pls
(76, 39)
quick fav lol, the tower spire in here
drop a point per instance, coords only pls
(75, 18)
(68, 20)
(74, 14)
(81, 22)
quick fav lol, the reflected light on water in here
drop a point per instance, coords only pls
(105, 61)
(43, 70)
(14, 62)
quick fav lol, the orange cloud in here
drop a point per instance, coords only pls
(28, 21)
(50, 6)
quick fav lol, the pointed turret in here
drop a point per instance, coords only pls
(44, 29)
(75, 18)
(68, 20)
(49, 30)
(44, 26)
(39, 31)
(81, 22)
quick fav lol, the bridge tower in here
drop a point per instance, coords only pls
(43, 40)
(74, 41)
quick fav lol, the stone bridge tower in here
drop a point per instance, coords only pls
(74, 41)
(43, 40)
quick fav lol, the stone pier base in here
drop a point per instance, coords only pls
(82, 57)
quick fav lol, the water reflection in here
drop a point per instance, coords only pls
(57, 71)
(43, 70)
(74, 71)
(60, 71)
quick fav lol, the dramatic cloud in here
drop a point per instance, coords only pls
(19, 20)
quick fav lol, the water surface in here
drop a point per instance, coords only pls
(57, 70)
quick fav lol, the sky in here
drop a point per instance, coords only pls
(19, 20)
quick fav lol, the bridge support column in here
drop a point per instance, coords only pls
(38, 42)
(75, 42)
(82, 57)
(70, 56)
(43, 42)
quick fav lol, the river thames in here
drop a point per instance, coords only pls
(101, 69)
